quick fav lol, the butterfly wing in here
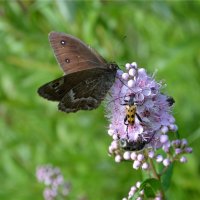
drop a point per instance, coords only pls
(87, 94)
(87, 79)
(55, 90)
(73, 55)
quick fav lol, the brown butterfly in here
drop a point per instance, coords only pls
(87, 76)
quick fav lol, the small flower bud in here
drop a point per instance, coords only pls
(136, 164)
(145, 166)
(127, 155)
(133, 188)
(158, 198)
(134, 64)
(128, 66)
(183, 159)
(142, 72)
(131, 83)
(110, 149)
(140, 157)
(142, 192)
(176, 143)
(115, 137)
(184, 142)
(118, 158)
(114, 144)
(178, 151)
(188, 150)
(125, 76)
(164, 129)
(133, 156)
(111, 132)
(147, 92)
(132, 72)
(151, 154)
(164, 138)
(166, 162)
(173, 127)
(166, 147)
(131, 193)
(139, 97)
(138, 184)
(159, 158)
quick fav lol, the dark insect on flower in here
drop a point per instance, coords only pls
(132, 145)
(137, 145)
(131, 109)
(170, 101)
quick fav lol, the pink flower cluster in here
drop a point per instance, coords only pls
(140, 119)
(54, 181)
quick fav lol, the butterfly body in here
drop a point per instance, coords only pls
(87, 76)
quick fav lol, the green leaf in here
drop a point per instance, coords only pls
(166, 177)
(150, 187)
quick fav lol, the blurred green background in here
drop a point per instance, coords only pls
(163, 36)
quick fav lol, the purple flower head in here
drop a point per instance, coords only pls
(140, 122)
(54, 182)
(138, 112)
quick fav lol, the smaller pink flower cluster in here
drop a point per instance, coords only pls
(135, 189)
(138, 194)
(54, 181)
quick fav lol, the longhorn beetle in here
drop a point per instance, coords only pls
(130, 112)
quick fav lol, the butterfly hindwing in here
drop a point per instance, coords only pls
(90, 79)
(88, 94)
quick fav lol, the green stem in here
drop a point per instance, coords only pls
(157, 176)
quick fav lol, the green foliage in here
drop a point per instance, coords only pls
(166, 177)
(158, 35)
(151, 186)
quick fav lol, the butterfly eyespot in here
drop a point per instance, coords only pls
(63, 42)
(67, 60)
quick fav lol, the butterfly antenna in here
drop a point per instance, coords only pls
(125, 85)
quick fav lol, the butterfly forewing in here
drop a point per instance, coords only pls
(73, 55)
